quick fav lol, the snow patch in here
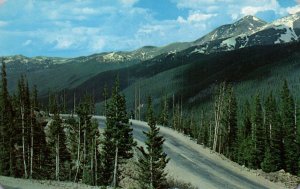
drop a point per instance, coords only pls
(113, 57)
(172, 52)
(256, 19)
(200, 51)
(288, 36)
(287, 21)
(230, 43)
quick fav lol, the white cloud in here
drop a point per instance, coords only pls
(198, 17)
(97, 44)
(128, 3)
(232, 8)
(27, 42)
(3, 23)
(293, 10)
(64, 42)
(252, 10)
(71, 38)
(85, 11)
(195, 17)
(196, 4)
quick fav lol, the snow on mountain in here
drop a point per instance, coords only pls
(242, 26)
(251, 31)
(114, 57)
(288, 36)
(287, 21)
(229, 43)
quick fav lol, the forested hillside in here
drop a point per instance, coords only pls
(41, 145)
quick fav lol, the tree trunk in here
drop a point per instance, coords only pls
(92, 162)
(135, 103)
(78, 153)
(31, 147)
(116, 168)
(96, 168)
(84, 143)
(139, 102)
(57, 159)
(23, 142)
(151, 169)
(218, 114)
(74, 103)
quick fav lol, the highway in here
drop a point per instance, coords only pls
(192, 163)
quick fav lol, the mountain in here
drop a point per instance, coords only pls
(57, 74)
(284, 30)
(242, 26)
(192, 78)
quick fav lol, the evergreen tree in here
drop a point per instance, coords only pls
(245, 148)
(289, 130)
(164, 115)
(273, 141)
(229, 121)
(89, 141)
(105, 96)
(118, 141)
(57, 141)
(153, 160)
(203, 136)
(258, 137)
(177, 125)
(7, 129)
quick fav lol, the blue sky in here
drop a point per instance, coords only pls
(81, 27)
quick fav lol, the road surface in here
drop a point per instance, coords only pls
(192, 163)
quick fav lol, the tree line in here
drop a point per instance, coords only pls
(261, 133)
(36, 146)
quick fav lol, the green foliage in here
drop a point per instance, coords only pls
(267, 164)
(164, 115)
(57, 144)
(153, 160)
(257, 133)
(7, 129)
(230, 123)
(273, 134)
(289, 128)
(117, 134)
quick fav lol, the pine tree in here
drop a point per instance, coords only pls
(7, 129)
(118, 141)
(153, 160)
(245, 137)
(273, 138)
(177, 125)
(105, 96)
(89, 135)
(94, 153)
(164, 115)
(57, 141)
(229, 121)
(289, 128)
(257, 133)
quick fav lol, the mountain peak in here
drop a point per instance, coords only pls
(247, 24)
(251, 19)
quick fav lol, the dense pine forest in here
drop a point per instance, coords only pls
(260, 133)
(41, 145)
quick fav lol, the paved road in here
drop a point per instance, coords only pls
(191, 164)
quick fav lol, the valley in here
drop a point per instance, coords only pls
(221, 111)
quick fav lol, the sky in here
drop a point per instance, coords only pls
(71, 28)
